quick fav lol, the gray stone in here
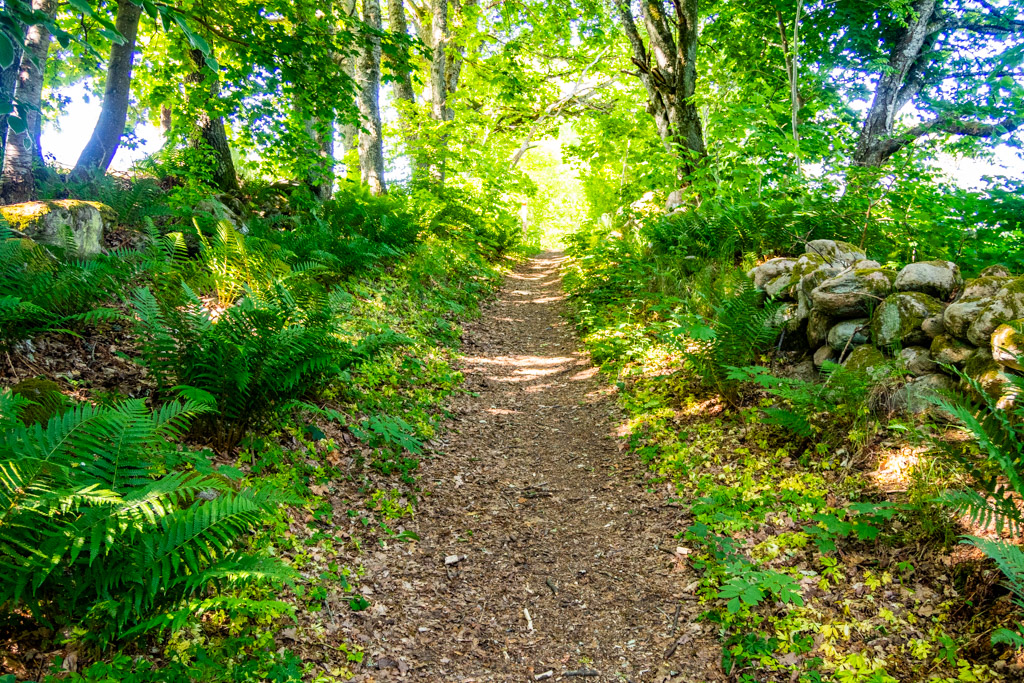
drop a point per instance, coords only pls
(988, 374)
(997, 270)
(56, 222)
(918, 361)
(897, 321)
(849, 334)
(940, 279)
(790, 318)
(933, 326)
(818, 325)
(215, 207)
(918, 395)
(853, 293)
(960, 315)
(983, 287)
(805, 371)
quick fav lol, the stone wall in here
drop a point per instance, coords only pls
(845, 308)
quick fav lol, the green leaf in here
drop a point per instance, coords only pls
(112, 36)
(17, 124)
(150, 8)
(6, 51)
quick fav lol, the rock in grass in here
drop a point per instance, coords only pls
(940, 279)
(988, 374)
(1008, 344)
(897, 321)
(62, 222)
(849, 334)
(948, 350)
(919, 361)
(824, 355)
(1006, 305)
(853, 293)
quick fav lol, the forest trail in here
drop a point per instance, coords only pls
(552, 518)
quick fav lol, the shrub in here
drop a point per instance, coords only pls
(90, 535)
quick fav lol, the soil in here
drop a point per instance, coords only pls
(544, 546)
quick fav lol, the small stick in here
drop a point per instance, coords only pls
(554, 589)
(546, 674)
(581, 673)
(675, 619)
(672, 650)
(529, 621)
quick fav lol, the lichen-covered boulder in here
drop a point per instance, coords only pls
(835, 252)
(996, 271)
(806, 273)
(897, 321)
(218, 209)
(917, 396)
(918, 361)
(1006, 305)
(940, 279)
(818, 325)
(824, 355)
(63, 221)
(948, 350)
(869, 360)
(1008, 344)
(865, 264)
(933, 326)
(769, 270)
(853, 293)
(849, 334)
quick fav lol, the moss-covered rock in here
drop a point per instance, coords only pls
(789, 285)
(983, 287)
(60, 222)
(46, 397)
(1008, 344)
(849, 334)
(835, 252)
(897, 321)
(769, 270)
(824, 355)
(1006, 305)
(948, 350)
(960, 315)
(916, 397)
(989, 375)
(790, 319)
(939, 279)
(933, 326)
(869, 360)
(853, 293)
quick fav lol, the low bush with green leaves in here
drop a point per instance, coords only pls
(97, 536)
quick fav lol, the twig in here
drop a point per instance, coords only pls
(581, 673)
(529, 620)
(675, 619)
(551, 585)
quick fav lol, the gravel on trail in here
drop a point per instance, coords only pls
(545, 551)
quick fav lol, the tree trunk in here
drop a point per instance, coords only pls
(439, 84)
(403, 79)
(17, 182)
(209, 134)
(670, 78)
(371, 139)
(896, 87)
(106, 136)
(8, 81)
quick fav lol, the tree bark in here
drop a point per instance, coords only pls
(8, 81)
(896, 88)
(106, 136)
(668, 71)
(209, 134)
(371, 139)
(17, 181)
(403, 78)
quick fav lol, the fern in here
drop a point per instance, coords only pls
(257, 360)
(89, 536)
(737, 330)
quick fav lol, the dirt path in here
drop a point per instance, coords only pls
(552, 519)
